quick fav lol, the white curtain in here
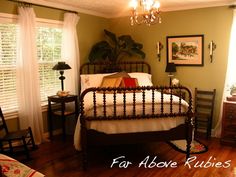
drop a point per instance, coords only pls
(28, 90)
(231, 72)
(70, 51)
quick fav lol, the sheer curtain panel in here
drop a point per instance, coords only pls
(70, 51)
(28, 90)
(231, 72)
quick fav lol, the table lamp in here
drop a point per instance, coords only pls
(61, 66)
(170, 68)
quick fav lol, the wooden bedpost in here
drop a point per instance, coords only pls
(84, 147)
(83, 132)
(189, 129)
(189, 125)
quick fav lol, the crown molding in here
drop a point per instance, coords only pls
(66, 7)
(195, 6)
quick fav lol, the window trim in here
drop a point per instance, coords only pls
(11, 18)
(8, 18)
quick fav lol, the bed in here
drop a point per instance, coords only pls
(124, 115)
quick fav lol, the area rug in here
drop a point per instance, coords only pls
(196, 146)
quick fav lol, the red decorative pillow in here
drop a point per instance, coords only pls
(129, 82)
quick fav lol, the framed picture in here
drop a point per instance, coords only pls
(185, 50)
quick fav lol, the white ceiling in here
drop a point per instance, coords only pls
(115, 8)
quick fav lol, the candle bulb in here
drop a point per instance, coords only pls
(158, 48)
(211, 48)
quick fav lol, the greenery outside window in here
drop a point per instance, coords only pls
(8, 97)
(48, 53)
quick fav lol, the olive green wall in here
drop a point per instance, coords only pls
(213, 23)
(89, 29)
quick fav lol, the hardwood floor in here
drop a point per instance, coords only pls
(59, 159)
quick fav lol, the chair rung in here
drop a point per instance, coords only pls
(203, 106)
(202, 114)
(204, 99)
(202, 120)
(203, 92)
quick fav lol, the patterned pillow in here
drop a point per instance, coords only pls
(111, 82)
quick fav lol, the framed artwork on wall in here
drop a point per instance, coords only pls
(185, 50)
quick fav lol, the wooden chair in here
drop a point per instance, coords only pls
(204, 108)
(16, 140)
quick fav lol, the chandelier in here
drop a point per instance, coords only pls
(145, 12)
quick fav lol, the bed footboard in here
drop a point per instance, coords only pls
(132, 104)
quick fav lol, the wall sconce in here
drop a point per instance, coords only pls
(159, 48)
(211, 47)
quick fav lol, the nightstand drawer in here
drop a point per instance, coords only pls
(230, 116)
(230, 107)
(228, 141)
(230, 125)
(228, 134)
(230, 112)
(229, 137)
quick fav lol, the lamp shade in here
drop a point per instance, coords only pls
(61, 66)
(170, 67)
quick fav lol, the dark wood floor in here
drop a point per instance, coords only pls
(59, 159)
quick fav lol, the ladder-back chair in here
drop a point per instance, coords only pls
(17, 140)
(204, 108)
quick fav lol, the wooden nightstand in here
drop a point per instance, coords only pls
(228, 133)
(59, 109)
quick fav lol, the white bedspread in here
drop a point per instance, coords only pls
(130, 126)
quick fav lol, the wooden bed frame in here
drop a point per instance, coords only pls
(92, 137)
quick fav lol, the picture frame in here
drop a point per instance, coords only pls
(185, 50)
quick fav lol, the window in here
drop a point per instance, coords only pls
(8, 98)
(49, 37)
(49, 53)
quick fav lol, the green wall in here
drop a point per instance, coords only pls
(213, 23)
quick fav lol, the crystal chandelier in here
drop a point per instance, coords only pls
(145, 12)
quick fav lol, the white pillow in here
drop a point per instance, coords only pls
(144, 79)
(91, 80)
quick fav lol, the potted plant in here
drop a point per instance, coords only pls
(114, 48)
(233, 90)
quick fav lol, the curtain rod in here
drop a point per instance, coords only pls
(232, 6)
(39, 5)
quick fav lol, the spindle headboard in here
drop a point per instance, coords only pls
(131, 66)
